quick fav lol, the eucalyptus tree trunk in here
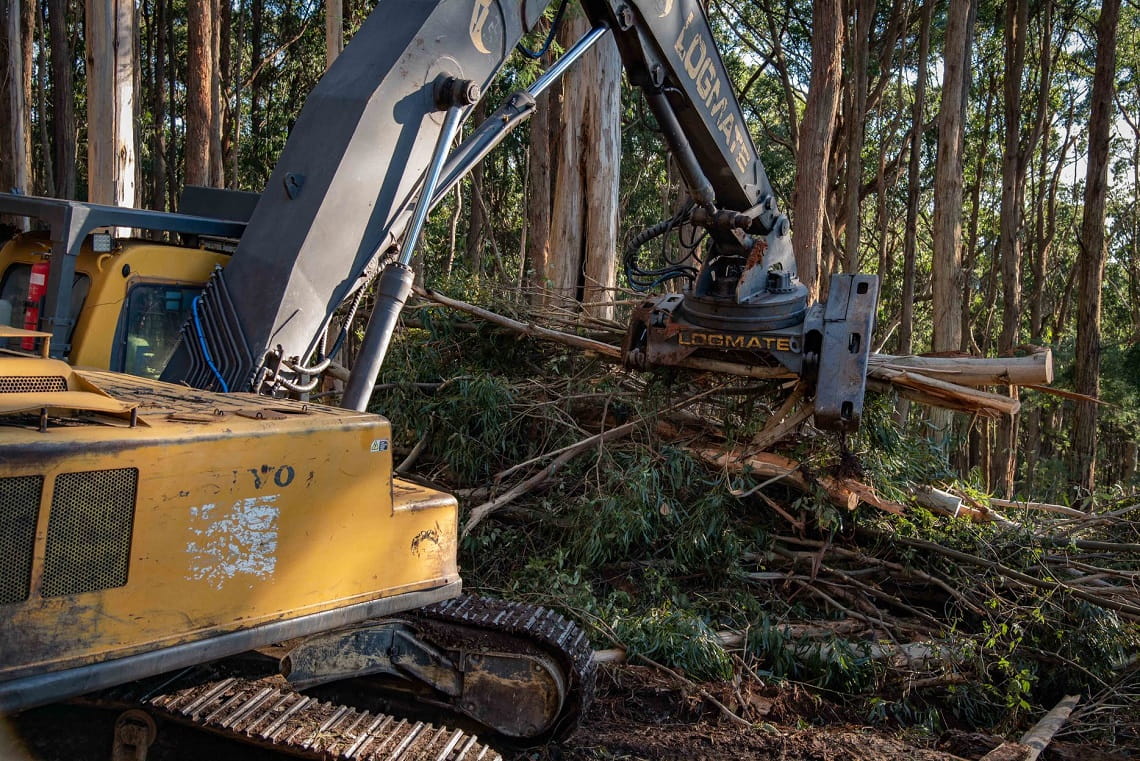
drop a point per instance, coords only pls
(970, 256)
(601, 159)
(111, 102)
(257, 126)
(947, 224)
(947, 268)
(540, 185)
(158, 104)
(15, 131)
(814, 144)
(27, 67)
(46, 180)
(1092, 247)
(477, 221)
(1014, 161)
(584, 209)
(219, 83)
(199, 91)
(334, 30)
(914, 189)
(62, 97)
(856, 113)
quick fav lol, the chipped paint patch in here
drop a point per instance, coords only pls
(431, 535)
(234, 542)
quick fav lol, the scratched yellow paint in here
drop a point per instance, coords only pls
(239, 521)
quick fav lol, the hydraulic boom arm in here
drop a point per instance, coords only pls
(366, 160)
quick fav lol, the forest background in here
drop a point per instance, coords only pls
(982, 158)
(971, 203)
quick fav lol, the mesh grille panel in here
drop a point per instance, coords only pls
(19, 506)
(17, 384)
(89, 532)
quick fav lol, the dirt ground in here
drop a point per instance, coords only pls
(638, 714)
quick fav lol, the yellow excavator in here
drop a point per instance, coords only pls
(184, 534)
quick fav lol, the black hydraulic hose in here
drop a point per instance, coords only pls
(536, 54)
(642, 279)
(343, 333)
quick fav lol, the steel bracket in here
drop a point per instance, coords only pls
(848, 319)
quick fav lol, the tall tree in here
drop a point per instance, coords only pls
(914, 190)
(60, 14)
(158, 106)
(199, 91)
(601, 136)
(813, 155)
(1016, 22)
(46, 179)
(111, 102)
(334, 30)
(477, 221)
(584, 216)
(1092, 246)
(947, 267)
(219, 81)
(541, 171)
(856, 111)
(27, 68)
(256, 81)
(15, 130)
(1017, 155)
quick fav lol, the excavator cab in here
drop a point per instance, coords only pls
(114, 294)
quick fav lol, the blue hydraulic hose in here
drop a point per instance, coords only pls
(202, 343)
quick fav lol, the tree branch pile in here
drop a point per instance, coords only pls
(666, 521)
(951, 382)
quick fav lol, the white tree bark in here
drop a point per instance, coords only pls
(111, 102)
(602, 159)
(582, 259)
(947, 266)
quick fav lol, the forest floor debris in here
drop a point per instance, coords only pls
(714, 510)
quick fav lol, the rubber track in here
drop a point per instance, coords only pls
(553, 633)
(263, 712)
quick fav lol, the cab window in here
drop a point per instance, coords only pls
(153, 316)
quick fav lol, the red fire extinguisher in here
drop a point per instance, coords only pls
(37, 287)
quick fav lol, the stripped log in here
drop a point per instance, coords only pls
(1034, 369)
(1035, 741)
(1042, 506)
(1042, 733)
(948, 395)
(952, 505)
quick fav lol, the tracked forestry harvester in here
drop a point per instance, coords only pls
(168, 515)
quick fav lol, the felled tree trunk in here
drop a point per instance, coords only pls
(1036, 369)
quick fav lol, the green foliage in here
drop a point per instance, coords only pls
(834, 664)
(655, 504)
(677, 636)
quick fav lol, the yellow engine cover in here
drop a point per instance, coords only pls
(212, 514)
